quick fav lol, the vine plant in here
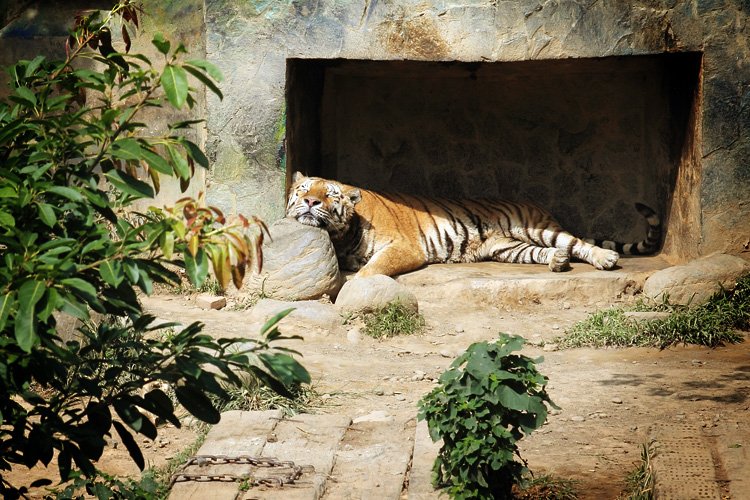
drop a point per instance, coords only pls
(74, 157)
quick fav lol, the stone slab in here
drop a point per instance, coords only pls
(522, 285)
(420, 476)
(238, 433)
(370, 463)
(306, 440)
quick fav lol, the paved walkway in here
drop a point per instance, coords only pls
(369, 458)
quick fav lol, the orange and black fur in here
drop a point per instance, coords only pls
(392, 233)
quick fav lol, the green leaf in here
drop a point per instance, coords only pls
(196, 267)
(197, 404)
(129, 184)
(25, 94)
(161, 44)
(81, 285)
(6, 303)
(7, 192)
(66, 192)
(181, 167)
(7, 220)
(205, 80)
(130, 444)
(175, 84)
(28, 296)
(47, 214)
(166, 243)
(273, 321)
(285, 368)
(213, 71)
(127, 149)
(159, 404)
(111, 272)
(73, 306)
(157, 162)
(195, 153)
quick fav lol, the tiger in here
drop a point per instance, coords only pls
(394, 233)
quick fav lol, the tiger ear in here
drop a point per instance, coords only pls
(355, 195)
(297, 176)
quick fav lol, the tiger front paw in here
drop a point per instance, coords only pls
(560, 261)
(604, 259)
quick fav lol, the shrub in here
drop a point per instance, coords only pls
(484, 403)
(73, 159)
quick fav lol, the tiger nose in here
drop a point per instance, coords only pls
(311, 202)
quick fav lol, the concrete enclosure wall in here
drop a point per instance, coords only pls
(583, 106)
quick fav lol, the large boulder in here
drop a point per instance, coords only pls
(695, 282)
(299, 263)
(374, 292)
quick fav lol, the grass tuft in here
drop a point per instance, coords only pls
(546, 487)
(640, 482)
(711, 324)
(253, 397)
(391, 320)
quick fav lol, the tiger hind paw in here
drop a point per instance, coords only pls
(604, 259)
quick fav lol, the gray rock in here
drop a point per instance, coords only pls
(354, 335)
(299, 263)
(374, 292)
(308, 317)
(695, 282)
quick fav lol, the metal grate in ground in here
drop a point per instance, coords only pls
(682, 463)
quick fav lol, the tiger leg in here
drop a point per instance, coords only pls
(392, 260)
(598, 257)
(520, 252)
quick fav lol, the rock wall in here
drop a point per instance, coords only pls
(255, 136)
(702, 188)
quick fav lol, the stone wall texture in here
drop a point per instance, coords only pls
(706, 201)
(603, 145)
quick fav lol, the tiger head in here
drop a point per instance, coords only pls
(322, 203)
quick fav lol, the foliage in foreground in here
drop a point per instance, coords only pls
(484, 404)
(74, 157)
(711, 324)
(392, 320)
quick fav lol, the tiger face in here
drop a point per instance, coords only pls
(322, 203)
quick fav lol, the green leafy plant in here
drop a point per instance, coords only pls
(74, 157)
(393, 319)
(713, 323)
(483, 405)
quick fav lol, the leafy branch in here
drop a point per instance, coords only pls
(74, 157)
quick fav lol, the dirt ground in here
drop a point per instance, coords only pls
(609, 398)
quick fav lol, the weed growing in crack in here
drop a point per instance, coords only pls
(546, 487)
(640, 482)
